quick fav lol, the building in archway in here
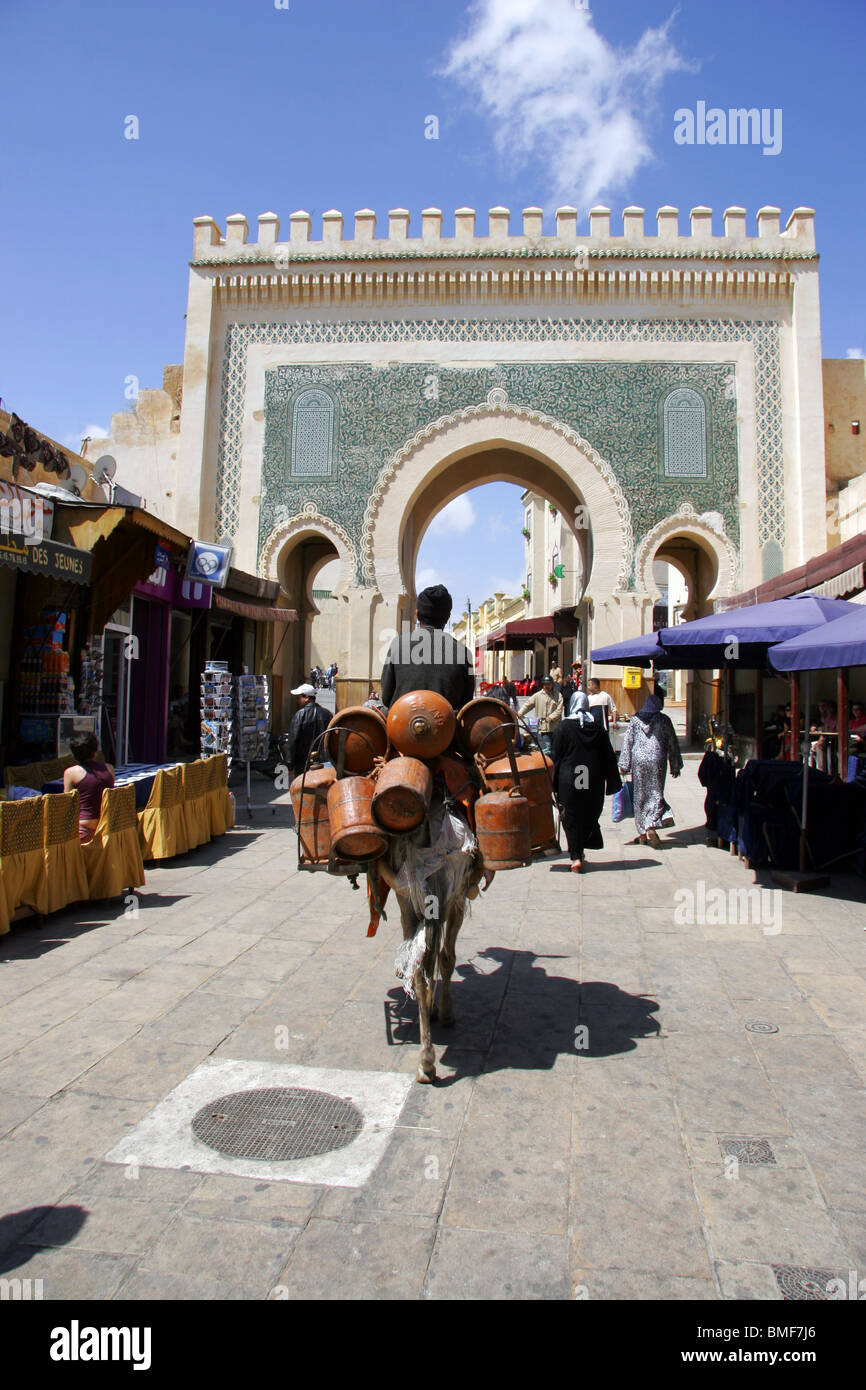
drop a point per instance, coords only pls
(662, 391)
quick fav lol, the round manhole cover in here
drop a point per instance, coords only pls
(277, 1123)
(759, 1025)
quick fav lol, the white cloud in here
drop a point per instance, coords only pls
(855, 352)
(458, 516)
(559, 95)
(73, 440)
(424, 578)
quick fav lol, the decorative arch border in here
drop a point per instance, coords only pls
(708, 527)
(307, 519)
(496, 407)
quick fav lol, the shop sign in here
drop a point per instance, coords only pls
(48, 557)
(208, 563)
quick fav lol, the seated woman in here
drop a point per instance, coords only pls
(89, 777)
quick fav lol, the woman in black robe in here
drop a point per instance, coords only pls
(584, 768)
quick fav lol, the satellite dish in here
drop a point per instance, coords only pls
(104, 468)
(79, 477)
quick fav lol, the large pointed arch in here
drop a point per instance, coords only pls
(575, 472)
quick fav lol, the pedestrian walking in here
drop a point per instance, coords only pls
(650, 746)
(547, 706)
(599, 698)
(308, 722)
(584, 769)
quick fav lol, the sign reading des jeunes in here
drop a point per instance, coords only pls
(209, 563)
(58, 561)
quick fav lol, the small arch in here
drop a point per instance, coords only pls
(711, 538)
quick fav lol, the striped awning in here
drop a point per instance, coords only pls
(257, 611)
(848, 582)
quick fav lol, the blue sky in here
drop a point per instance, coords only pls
(246, 107)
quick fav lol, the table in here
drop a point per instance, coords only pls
(142, 775)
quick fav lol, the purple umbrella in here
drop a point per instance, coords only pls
(839, 643)
(758, 625)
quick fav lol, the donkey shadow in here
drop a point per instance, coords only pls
(512, 1012)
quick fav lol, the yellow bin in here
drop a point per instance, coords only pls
(632, 677)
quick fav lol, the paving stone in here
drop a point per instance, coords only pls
(410, 1179)
(632, 1216)
(68, 1275)
(625, 1285)
(115, 1226)
(497, 1265)
(249, 1199)
(747, 1281)
(134, 1182)
(767, 1216)
(362, 1260)
(167, 1288)
(142, 1069)
(231, 1252)
(496, 1179)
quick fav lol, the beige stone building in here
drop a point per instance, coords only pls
(660, 386)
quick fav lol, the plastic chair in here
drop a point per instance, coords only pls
(66, 879)
(112, 859)
(195, 811)
(22, 859)
(225, 797)
(162, 825)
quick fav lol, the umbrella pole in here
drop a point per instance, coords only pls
(794, 744)
(804, 810)
(842, 722)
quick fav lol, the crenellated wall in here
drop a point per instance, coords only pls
(211, 247)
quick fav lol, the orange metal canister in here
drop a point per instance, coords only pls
(421, 724)
(366, 740)
(535, 772)
(354, 833)
(401, 800)
(478, 724)
(311, 813)
(502, 829)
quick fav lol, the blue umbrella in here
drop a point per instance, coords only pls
(634, 651)
(755, 627)
(839, 643)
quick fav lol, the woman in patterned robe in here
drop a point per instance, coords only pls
(650, 743)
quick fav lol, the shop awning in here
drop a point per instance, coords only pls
(48, 557)
(257, 611)
(523, 633)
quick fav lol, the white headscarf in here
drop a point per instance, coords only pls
(579, 708)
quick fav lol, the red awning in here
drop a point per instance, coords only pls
(526, 631)
(257, 611)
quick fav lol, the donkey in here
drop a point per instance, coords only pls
(434, 872)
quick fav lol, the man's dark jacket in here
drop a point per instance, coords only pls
(428, 659)
(309, 721)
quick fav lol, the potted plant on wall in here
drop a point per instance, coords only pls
(525, 531)
(553, 579)
(553, 510)
(525, 592)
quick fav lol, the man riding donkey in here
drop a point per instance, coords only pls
(429, 659)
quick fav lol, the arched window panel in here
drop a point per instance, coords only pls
(313, 435)
(685, 434)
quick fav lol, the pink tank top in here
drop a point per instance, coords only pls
(97, 777)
